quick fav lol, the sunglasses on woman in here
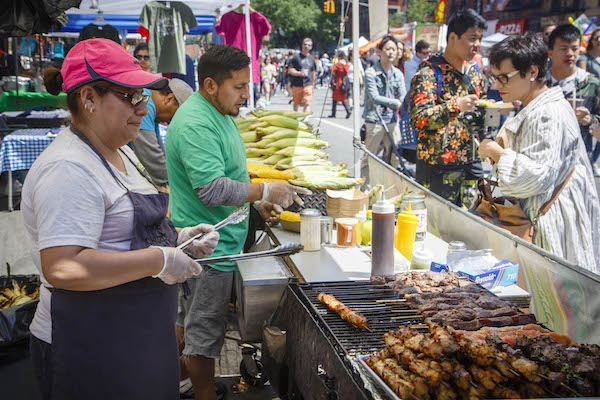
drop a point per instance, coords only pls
(135, 98)
(140, 57)
(503, 78)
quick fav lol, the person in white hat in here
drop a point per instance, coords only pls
(148, 146)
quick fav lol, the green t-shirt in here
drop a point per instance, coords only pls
(201, 146)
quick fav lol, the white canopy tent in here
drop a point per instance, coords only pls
(491, 40)
(361, 42)
(199, 7)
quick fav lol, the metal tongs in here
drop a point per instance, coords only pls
(281, 251)
(234, 218)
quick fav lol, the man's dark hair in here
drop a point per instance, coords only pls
(524, 52)
(463, 20)
(387, 38)
(421, 45)
(139, 47)
(567, 32)
(220, 61)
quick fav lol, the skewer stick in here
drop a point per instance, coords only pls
(391, 301)
(570, 389)
(368, 329)
(405, 311)
(406, 317)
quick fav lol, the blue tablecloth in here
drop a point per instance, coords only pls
(21, 148)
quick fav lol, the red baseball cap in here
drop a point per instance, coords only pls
(104, 60)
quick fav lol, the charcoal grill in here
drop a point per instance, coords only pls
(321, 346)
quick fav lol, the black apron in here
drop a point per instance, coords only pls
(119, 343)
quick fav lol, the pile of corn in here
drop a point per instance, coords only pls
(281, 147)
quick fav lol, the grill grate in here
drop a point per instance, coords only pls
(361, 297)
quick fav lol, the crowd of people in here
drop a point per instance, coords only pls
(107, 207)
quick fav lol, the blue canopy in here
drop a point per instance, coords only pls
(130, 22)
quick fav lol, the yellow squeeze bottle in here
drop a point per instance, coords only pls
(406, 231)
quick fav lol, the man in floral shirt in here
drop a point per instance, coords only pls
(445, 86)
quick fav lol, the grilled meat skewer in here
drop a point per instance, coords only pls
(356, 319)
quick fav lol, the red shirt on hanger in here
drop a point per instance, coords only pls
(232, 26)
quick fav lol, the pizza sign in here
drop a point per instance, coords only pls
(511, 27)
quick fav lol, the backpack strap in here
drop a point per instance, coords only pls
(439, 76)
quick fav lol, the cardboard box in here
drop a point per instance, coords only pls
(505, 273)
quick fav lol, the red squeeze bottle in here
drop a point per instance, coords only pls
(382, 235)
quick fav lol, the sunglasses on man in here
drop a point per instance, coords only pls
(140, 57)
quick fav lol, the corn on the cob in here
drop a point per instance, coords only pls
(257, 152)
(284, 133)
(285, 122)
(290, 216)
(291, 162)
(289, 114)
(328, 182)
(275, 174)
(258, 124)
(283, 143)
(253, 169)
(264, 143)
(267, 130)
(301, 151)
(249, 137)
(274, 159)
(266, 180)
(242, 120)
(256, 160)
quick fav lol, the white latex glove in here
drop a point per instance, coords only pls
(203, 246)
(177, 266)
(283, 194)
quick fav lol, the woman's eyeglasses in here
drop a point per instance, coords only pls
(135, 98)
(140, 57)
(502, 78)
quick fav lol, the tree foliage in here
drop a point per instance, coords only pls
(420, 11)
(293, 20)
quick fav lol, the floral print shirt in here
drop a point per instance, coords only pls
(442, 138)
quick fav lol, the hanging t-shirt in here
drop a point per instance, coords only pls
(59, 49)
(93, 31)
(27, 46)
(167, 24)
(233, 28)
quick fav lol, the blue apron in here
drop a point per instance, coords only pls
(119, 343)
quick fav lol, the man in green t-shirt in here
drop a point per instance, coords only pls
(206, 164)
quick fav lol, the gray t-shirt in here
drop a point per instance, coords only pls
(167, 25)
(70, 199)
(300, 62)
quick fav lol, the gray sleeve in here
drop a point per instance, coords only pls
(223, 192)
(148, 151)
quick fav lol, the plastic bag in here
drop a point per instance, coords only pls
(14, 321)
(471, 260)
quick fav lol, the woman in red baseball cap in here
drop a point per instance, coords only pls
(102, 241)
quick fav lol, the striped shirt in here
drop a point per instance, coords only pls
(544, 145)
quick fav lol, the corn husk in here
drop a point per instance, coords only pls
(289, 114)
(283, 133)
(274, 159)
(301, 151)
(291, 162)
(323, 183)
(285, 122)
(249, 137)
(252, 152)
(283, 143)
